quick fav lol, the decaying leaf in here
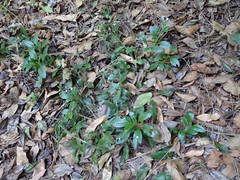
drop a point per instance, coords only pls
(234, 143)
(21, 157)
(194, 153)
(91, 127)
(174, 171)
(130, 40)
(232, 87)
(229, 170)
(79, 3)
(214, 159)
(68, 17)
(107, 171)
(9, 138)
(202, 68)
(186, 97)
(10, 111)
(203, 141)
(91, 76)
(103, 159)
(191, 76)
(39, 171)
(62, 169)
(128, 58)
(190, 42)
(236, 120)
(165, 133)
(208, 117)
(217, 2)
(84, 46)
(188, 30)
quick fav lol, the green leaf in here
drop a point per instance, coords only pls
(142, 172)
(42, 71)
(162, 154)
(154, 30)
(28, 43)
(144, 116)
(174, 61)
(181, 136)
(118, 122)
(150, 131)
(187, 119)
(137, 138)
(235, 37)
(123, 137)
(125, 152)
(142, 100)
(47, 9)
(162, 176)
(165, 44)
(157, 49)
(221, 147)
(198, 128)
(167, 92)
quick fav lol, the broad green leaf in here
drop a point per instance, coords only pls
(235, 37)
(42, 71)
(28, 43)
(137, 138)
(181, 136)
(223, 148)
(47, 9)
(198, 128)
(142, 172)
(154, 30)
(162, 176)
(144, 116)
(125, 154)
(150, 131)
(142, 100)
(118, 122)
(157, 49)
(167, 92)
(174, 61)
(189, 115)
(162, 154)
(165, 44)
(123, 137)
(186, 121)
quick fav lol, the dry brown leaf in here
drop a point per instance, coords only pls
(236, 120)
(232, 28)
(128, 58)
(91, 76)
(103, 159)
(202, 68)
(194, 153)
(190, 42)
(191, 76)
(188, 30)
(129, 41)
(39, 170)
(214, 159)
(123, 174)
(79, 3)
(84, 46)
(91, 127)
(165, 133)
(10, 111)
(68, 17)
(234, 143)
(61, 170)
(232, 87)
(21, 157)
(217, 2)
(9, 138)
(186, 97)
(208, 117)
(174, 171)
(217, 27)
(107, 171)
(203, 141)
(229, 170)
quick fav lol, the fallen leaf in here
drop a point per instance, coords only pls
(79, 3)
(103, 159)
(217, 2)
(174, 171)
(236, 120)
(234, 143)
(186, 97)
(217, 27)
(10, 111)
(62, 169)
(84, 46)
(142, 100)
(128, 58)
(232, 32)
(107, 170)
(165, 133)
(188, 30)
(122, 175)
(194, 153)
(203, 141)
(91, 127)
(129, 41)
(190, 42)
(202, 68)
(91, 76)
(229, 170)
(213, 160)
(68, 17)
(208, 117)
(191, 76)
(232, 87)
(21, 157)
(9, 138)
(39, 170)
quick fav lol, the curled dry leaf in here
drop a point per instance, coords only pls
(202, 68)
(217, 2)
(10, 111)
(214, 159)
(191, 76)
(194, 153)
(208, 117)
(39, 170)
(91, 127)
(165, 133)
(236, 120)
(188, 30)
(21, 157)
(186, 97)
(232, 87)
(68, 17)
(9, 138)
(103, 159)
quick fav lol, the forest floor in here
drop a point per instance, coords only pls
(141, 89)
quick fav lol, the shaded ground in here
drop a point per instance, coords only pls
(94, 72)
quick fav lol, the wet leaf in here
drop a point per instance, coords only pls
(142, 100)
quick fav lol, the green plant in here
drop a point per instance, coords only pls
(160, 54)
(4, 49)
(189, 128)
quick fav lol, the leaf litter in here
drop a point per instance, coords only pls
(85, 37)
